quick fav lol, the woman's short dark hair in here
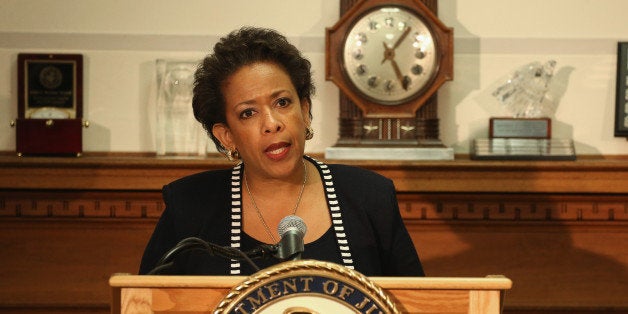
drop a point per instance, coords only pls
(242, 47)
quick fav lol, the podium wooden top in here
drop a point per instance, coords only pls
(449, 283)
(200, 294)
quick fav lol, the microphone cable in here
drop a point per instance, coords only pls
(199, 245)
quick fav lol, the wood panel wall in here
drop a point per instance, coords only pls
(559, 230)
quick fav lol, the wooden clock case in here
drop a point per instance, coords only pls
(50, 136)
(359, 115)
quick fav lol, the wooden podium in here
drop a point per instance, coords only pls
(203, 294)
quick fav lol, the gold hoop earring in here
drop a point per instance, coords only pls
(232, 155)
(309, 133)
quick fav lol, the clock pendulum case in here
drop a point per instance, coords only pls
(389, 58)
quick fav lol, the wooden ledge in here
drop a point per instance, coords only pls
(454, 283)
(149, 173)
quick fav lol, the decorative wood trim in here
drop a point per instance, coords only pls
(416, 207)
(81, 205)
(514, 208)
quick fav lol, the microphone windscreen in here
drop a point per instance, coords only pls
(291, 222)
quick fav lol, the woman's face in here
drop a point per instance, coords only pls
(266, 120)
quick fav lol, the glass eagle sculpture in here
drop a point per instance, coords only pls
(524, 94)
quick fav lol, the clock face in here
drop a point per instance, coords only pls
(50, 113)
(389, 55)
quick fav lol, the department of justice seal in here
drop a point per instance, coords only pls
(50, 77)
(306, 287)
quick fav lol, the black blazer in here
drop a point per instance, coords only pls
(199, 206)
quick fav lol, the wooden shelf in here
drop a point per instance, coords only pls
(461, 175)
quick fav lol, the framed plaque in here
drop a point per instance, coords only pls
(50, 104)
(621, 103)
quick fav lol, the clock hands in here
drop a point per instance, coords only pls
(402, 37)
(389, 54)
(404, 83)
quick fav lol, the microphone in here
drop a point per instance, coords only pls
(292, 230)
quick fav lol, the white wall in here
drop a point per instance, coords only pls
(121, 39)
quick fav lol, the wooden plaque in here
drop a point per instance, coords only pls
(50, 104)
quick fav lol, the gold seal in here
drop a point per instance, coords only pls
(307, 286)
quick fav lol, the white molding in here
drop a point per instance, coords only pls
(308, 44)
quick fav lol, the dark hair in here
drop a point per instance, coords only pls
(243, 47)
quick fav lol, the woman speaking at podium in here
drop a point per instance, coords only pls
(253, 96)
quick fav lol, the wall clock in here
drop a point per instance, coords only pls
(389, 58)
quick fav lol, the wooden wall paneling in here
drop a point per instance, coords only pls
(570, 255)
(564, 267)
(61, 257)
(66, 263)
(68, 224)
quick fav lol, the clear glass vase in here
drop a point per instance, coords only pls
(178, 133)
